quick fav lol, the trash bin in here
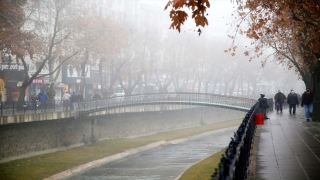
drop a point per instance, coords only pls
(258, 119)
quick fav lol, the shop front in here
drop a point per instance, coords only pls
(11, 77)
(72, 80)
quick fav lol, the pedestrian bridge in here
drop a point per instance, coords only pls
(174, 99)
(109, 105)
(83, 125)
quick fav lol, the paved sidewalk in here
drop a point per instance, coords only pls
(288, 148)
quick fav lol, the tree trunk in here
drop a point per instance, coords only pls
(83, 73)
(194, 84)
(21, 97)
(208, 81)
(51, 68)
(199, 84)
(103, 85)
(316, 91)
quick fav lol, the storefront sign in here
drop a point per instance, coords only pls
(12, 67)
(38, 81)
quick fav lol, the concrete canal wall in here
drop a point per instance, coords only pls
(24, 138)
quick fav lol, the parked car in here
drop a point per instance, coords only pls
(117, 94)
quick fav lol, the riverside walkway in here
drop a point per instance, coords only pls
(288, 148)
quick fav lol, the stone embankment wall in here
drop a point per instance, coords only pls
(24, 138)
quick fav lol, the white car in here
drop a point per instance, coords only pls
(117, 94)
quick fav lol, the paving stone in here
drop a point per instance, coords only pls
(287, 148)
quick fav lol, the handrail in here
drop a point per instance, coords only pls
(237, 103)
(85, 108)
(234, 164)
(16, 108)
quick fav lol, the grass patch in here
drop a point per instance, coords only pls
(46, 165)
(203, 169)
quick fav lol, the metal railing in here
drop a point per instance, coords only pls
(86, 107)
(16, 108)
(237, 103)
(235, 162)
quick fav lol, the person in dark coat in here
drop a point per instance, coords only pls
(79, 99)
(263, 105)
(292, 100)
(73, 100)
(96, 96)
(307, 103)
(279, 98)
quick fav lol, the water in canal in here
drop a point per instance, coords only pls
(164, 163)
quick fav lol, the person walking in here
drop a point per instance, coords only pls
(34, 99)
(79, 99)
(279, 98)
(307, 103)
(43, 99)
(96, 96)
(263, 105)
(73, 100)
(65, 99)
(292, 100)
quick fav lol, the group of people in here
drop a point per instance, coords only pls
(293, 101)
(42, 98)
(71, 100)
(68, 100)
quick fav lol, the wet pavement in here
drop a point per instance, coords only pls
(163, 163)
(288, 148)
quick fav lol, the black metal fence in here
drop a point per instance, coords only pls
(235, 162)
(15, 108)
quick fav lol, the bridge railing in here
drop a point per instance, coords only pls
(166, 98)
(234, 164)
(16, 108)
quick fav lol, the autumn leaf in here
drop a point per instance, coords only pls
(206, 2)
(168, 4)
(178, 4)
(192, 4)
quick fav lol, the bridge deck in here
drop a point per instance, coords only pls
(288, 148)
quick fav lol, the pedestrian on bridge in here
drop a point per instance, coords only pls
(263, 105)
(73, 101)
(66, 99)
(34, 99)
(96, 96)
(43, 101)
(79, 99)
